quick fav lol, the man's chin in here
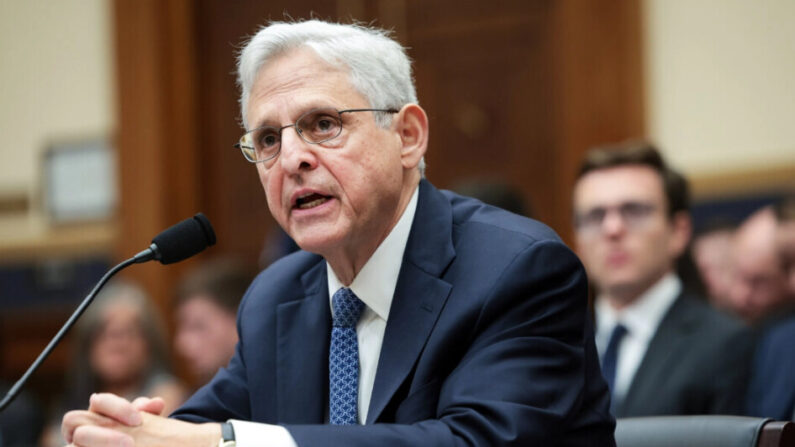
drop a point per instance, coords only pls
(315, 242)
(624, 291)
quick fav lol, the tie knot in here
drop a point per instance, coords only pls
(619, 331)
(347, 308)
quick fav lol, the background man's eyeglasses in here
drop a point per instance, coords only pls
(633, 214)
(315, 126)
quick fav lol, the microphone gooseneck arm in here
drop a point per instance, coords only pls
(147, 255)
(178, 242)
(12, 393)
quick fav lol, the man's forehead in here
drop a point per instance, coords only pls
(619, 184)
(756, 241)
(785, 235)
(294, 82)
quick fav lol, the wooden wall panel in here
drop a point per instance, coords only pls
(157, 140)
(482, 75)
(597, 85)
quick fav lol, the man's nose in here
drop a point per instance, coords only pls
(740, 292)
(613, 224)
(295, 153)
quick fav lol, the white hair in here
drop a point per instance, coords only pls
(378, 66)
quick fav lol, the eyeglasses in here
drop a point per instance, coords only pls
(633, 214)
(315, 126)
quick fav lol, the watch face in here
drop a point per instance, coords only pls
(227, 435)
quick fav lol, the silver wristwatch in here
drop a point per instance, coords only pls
(227, 435)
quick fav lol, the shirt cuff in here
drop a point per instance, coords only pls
(254, 434)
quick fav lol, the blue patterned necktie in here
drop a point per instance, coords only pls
(610, 358)
(344, 359)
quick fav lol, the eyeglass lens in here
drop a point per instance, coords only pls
(633, 214)
(315, 126)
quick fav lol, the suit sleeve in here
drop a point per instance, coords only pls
(525, 376)
(772, 389)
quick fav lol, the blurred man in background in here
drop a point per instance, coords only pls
(663, 350)
(785, 238)
(759, 292)
(496, 193)
(772, 390)
(711, 250)
(206, 312)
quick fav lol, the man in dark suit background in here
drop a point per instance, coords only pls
(758, 292)
(663, 350)
(413, 316)
(772, 390)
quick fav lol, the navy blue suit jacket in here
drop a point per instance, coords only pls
(772, 390)
(487, 344)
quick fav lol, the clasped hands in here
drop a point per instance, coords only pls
(114, 421)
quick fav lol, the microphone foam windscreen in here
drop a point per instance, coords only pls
(184, 239)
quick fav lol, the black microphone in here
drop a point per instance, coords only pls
(180, 241)
(174, 244)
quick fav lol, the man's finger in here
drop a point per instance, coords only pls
(140, 401)
(77, 418)
(153, 405)
(114, 407)
(93, 436)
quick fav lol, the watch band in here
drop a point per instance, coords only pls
(227, 435)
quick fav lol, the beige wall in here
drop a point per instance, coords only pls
(56, 83)
(720, 83)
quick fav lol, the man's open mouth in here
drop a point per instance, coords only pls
(310, 201)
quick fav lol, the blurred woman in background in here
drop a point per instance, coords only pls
(120, 348)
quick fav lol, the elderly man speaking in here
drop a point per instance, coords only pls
(412, 316)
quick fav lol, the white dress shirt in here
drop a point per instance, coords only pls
(641, 318)
(375, 286)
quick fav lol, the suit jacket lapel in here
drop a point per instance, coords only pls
(419, 296)
(668, 340)
(303, 327)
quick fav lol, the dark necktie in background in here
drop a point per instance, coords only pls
(344, 359)
(610, 359)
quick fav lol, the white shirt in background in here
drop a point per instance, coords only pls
(641, 318)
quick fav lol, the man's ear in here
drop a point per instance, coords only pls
(682, 232)
(411, 125)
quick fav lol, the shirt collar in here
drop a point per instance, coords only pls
(376, 281)
(641, 317)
